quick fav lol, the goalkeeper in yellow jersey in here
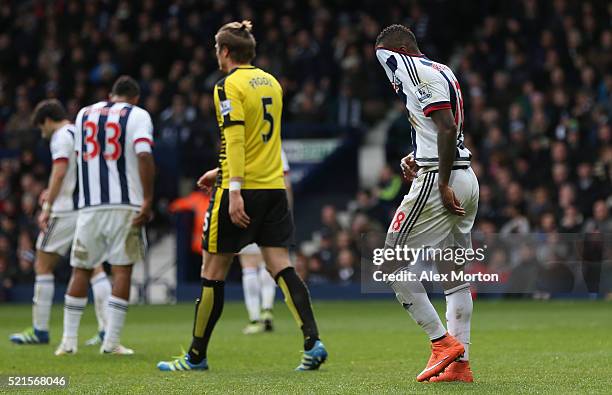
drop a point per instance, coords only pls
(249, 203)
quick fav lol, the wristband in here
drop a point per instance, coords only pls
(235, 185)
(46, 207)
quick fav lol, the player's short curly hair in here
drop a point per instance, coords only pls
(394, 36)
(48, 109)
(238, 39)
(126, 86)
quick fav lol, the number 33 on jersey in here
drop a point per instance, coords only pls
(108, 138)
(252, 98)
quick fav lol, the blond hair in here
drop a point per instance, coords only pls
(238, 39)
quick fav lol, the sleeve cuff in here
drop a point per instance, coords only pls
(60, 159)
(441, 105)
(143, 144)
(143, 140)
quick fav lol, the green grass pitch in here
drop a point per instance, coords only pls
(518, 347)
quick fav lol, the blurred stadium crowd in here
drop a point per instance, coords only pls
(536, 77)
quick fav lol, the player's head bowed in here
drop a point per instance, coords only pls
(235, 44)
(47, 114)
(397, 37)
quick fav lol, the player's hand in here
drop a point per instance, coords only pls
(207, 180)
(450, 201)
(409, 167)
(44, 196)
(237, 214)
(43, 220)
(144, 216)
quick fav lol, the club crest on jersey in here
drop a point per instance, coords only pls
(225, 107)
(396, 84)
(423, 93)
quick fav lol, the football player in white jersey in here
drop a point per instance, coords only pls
(440, 209)
(57, 221)
(113, 143)
(258, 285)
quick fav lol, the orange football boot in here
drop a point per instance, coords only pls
(443, 353)
(456, 371)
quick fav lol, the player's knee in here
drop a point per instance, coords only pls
(42, 268)
(276, 264)
(44, 263)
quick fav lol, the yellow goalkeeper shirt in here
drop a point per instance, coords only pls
(249, 105)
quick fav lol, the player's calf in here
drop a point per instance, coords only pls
(116, 310)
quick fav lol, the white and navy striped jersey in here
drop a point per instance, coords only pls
(425, 86)
(62, 149)
(108, 138)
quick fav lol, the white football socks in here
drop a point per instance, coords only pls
(44, 288)
(268, 289)
(73, 311)
(412, 295)
(101, 287)
(115, 319)
(251, 288)
(459, 308)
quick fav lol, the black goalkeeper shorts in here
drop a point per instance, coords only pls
(271, 221)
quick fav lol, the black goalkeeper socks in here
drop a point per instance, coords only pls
(298, 301)
(208, 310)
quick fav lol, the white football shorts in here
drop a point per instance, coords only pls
(422, 221)
(107, 235)
(58, 237)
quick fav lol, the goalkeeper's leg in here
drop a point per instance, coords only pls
(297, 298)
(209, 307)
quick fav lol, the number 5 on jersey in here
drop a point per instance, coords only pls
(112, 148)
(265, 102)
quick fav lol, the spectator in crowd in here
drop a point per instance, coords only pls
(329, 221)
(6, 277)
(347, 271)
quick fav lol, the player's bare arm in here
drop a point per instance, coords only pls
(207, 180)
(447, 140)
(58, 173)
(146, 169)
(43, 197)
